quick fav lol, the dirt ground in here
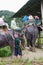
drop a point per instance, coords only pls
(27, 55)
(33, 55)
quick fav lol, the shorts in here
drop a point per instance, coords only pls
(18, 51)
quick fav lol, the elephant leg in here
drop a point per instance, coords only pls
(27, 42)
(33, 45)
(12, 51)
(33, 48)
(30, 45)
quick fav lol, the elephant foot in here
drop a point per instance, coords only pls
(30, 48)
(33, 49)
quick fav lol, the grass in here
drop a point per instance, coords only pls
(5, 51)
(39, 59)
(27, 62)
(41, 41)
(20, 61)
(16, 62)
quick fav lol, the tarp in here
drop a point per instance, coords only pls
(25, 18)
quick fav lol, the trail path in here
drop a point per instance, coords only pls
(26, 55)
(33, 55)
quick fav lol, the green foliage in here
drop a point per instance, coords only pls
(41, 38)
(19, 22)
(5, 51)
(6, 13)
(2, 63)
(39, 59)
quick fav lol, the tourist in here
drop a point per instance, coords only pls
(17, 48)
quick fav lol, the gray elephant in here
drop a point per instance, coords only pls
(31, 35)
(5, 40)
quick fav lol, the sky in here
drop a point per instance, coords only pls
(12, 5)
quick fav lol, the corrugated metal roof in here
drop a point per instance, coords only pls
(31, 7)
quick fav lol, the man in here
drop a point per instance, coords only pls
(17, 48)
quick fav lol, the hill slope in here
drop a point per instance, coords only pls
(7, 15)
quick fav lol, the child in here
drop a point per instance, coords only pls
(18, 50)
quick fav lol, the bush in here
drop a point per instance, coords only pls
(5, 51)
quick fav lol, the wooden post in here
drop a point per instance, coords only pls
(42, 10)
(39, 42)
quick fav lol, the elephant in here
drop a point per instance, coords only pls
(5, 40)
(31, 34)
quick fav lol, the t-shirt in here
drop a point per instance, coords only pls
(17, 41)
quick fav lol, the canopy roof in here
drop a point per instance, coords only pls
(31, 7)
